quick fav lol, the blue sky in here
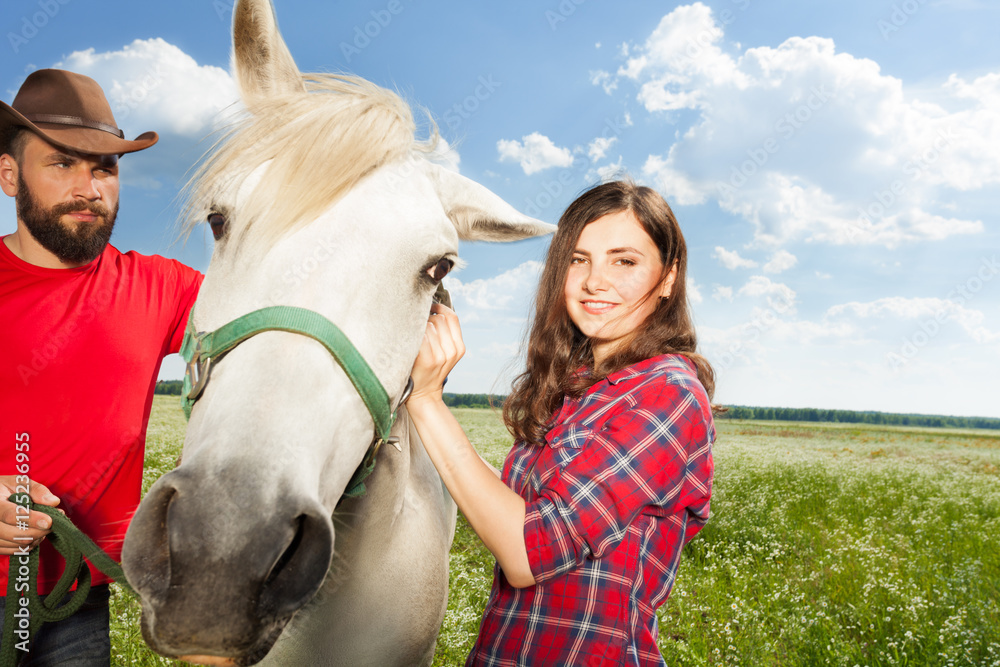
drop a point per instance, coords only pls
(835, 166)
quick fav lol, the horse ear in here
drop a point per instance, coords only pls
(477, 213)
(263, 64)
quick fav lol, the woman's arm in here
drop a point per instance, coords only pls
(495, 512)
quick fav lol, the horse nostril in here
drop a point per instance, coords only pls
(299, 571)
(286, 556)
(146, 552)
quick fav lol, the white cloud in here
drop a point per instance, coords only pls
(693, 292)
(607, 172)
(732, 260)
(929, 313)
(604, 80)
(537, 152)
(153, 85)
(780, 261)
(891, 162)
(722, 293)
(780, 297)
(683, 47)
(507, 293)
(445, 155)
(598, 148)
(675, 182)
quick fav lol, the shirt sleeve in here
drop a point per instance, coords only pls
(185, 291)
(653, 456)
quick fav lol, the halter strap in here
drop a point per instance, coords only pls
(199, 349)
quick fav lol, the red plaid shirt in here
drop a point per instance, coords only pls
(622, 484)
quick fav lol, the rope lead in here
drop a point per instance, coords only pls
(22, 620)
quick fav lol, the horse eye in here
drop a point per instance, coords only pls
(217, 222)
(440, 270)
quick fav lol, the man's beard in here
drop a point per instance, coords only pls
(77, 245)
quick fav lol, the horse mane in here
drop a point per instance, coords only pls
(324, 141)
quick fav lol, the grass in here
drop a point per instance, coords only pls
(828, 545)
(164, 440)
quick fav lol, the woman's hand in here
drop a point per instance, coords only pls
(440, 350)
(495, 512)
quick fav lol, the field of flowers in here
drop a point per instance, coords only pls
(828, 545)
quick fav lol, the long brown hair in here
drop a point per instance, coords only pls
(557, 349)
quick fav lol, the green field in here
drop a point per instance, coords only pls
(828, 545)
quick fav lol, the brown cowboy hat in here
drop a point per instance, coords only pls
(70, 111)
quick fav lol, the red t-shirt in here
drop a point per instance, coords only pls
(81, 350)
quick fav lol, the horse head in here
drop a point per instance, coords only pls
(321, 200)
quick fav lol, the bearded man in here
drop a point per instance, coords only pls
(84, 329)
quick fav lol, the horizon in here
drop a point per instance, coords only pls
(728, 405)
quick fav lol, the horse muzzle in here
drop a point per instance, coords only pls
(217, 574)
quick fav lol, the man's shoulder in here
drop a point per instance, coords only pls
(133, 262)
(136, 258)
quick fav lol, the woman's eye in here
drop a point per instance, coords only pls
(440, 270)
(217, 222)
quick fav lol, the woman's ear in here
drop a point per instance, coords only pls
(668, 282)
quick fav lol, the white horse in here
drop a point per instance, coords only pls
(322, 201)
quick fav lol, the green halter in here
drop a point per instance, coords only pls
(199, 349)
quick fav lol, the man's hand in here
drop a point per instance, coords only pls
(18, 528)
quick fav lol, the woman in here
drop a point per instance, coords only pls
(611, 471)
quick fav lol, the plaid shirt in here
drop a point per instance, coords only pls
(622, 484)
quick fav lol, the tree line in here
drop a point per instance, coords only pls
(856, 417)
(168, 387)
(474, 400)
(173, 387)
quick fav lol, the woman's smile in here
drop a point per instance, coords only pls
(598, 307)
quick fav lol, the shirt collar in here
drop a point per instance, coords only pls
(625, 373)
(671, 360)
